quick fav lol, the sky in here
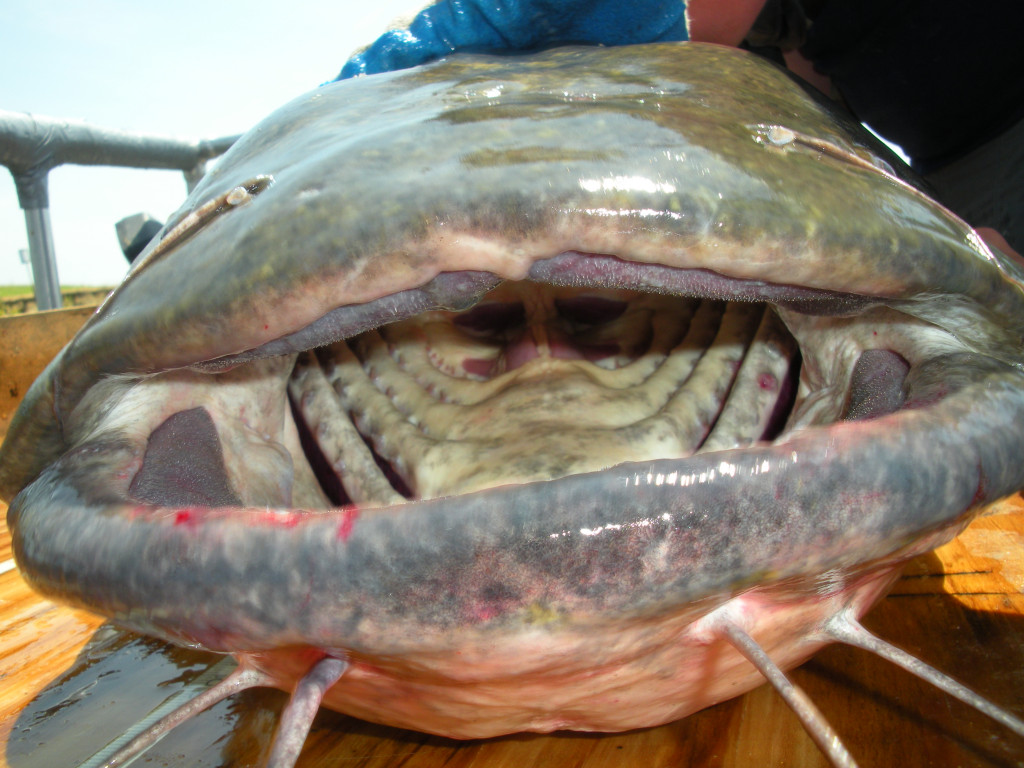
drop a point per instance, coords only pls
(189, 69)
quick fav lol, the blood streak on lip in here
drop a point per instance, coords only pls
(186, 517)
(283, 518)
(348, 523)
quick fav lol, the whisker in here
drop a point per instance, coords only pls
(845, 628)
(131, 744)
(302, 707)
(814, 722)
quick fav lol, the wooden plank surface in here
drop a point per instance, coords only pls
(71, 683)
(27, 344)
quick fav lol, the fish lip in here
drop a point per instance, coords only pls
(568, 269)
(813, 449)
(532, 534)
(139, 527)
(843, 537)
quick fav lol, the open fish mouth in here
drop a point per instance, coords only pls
(517, 394)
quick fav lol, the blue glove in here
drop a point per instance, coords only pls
(503, 25)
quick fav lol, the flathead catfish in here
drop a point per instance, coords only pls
(580, 390)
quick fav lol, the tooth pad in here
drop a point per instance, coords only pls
(453, 402)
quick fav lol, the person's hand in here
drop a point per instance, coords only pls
(515, 25)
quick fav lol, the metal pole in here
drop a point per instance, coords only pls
(33, 142)
(31, 146)
(44, 259)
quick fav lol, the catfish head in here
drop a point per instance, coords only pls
(527, 393)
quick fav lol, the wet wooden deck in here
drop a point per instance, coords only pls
(71, 684)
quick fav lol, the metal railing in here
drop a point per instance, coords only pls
(31, 146)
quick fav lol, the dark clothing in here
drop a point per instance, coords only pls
(943, 80)
(937, 77)
(986, 187)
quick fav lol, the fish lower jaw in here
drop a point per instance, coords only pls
(550, 677)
